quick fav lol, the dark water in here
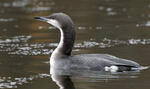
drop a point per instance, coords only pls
(116, 27)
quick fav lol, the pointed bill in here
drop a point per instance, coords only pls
(41, 19)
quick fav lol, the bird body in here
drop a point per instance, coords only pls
(61, 58)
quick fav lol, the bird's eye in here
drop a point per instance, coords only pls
(52, 17)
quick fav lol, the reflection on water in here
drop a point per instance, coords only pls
(64, 82)
(67, 81)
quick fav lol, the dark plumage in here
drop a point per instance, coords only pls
(61, 58)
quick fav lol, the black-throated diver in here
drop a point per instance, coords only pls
(61, 58)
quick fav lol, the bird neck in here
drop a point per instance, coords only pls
(67, 39)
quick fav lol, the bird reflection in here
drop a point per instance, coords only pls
(63, 78)
(64, 82)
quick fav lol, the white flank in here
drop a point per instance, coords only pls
(111, 68)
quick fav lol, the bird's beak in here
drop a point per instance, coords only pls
(53, 22)
(41, 19)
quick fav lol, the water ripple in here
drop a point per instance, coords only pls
(15, 39)
(10, 82)
(33, 9)
(106, 43)
(7, 20)
(20, 3)
(19, 45)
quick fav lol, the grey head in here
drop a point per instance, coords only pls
(59, 20)
(64, 23)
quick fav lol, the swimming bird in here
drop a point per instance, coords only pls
(61, 58)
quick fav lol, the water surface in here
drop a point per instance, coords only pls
(117, 27)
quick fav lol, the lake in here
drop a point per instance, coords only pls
(117, 27)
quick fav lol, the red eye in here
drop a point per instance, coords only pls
(52, 17)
